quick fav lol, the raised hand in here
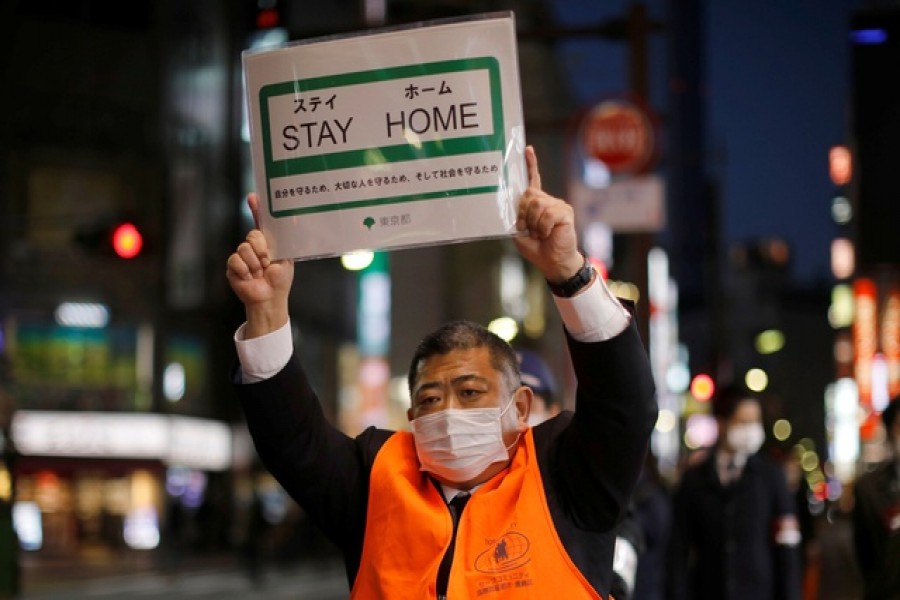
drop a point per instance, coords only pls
(262, 284)
(551, 243)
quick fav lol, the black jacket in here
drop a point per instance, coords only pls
(589, 460)
(723, 538)
(876, 523)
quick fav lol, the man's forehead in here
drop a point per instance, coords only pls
(469, 361)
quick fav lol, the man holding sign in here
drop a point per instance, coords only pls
(472, 502)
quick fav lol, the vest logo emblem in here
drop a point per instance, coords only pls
(508, 552)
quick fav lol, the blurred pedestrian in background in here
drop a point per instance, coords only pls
(253, 546)
(174, 540)
(876, 517)
(632, 540)
(735, 534)
(653, 510)
(810, 550)
(9, 553)
(537, 375)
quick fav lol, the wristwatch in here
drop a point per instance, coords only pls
(575, 283)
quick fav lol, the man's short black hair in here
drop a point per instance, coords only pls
(889, 416)
(727, 399)
(466, 335)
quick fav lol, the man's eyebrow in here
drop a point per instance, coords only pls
(469, 377)
(427, 385)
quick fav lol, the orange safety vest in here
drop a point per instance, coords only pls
(506, 544)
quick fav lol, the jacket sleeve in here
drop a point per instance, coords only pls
(323, 469)
(599, 455)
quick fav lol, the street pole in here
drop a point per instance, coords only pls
(640, 243)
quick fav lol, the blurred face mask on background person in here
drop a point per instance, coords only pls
(746, 438)
(458, 444)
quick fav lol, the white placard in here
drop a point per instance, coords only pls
(391, 139)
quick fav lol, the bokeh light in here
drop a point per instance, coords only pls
(781, 429)
(756, 379)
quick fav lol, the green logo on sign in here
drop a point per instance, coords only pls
(369, 222)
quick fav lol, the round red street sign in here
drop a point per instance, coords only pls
(620, 135)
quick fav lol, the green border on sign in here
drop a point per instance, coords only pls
(394, 153)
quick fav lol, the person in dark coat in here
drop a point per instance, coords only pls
(876, 517)
(735, 534)
(653, 510)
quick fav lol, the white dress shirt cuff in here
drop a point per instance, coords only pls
(594, 315)
(262, 357)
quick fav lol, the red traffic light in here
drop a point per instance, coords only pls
(127, 240)
(267, 18)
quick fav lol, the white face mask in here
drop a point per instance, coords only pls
(746, 439)
(458, 444)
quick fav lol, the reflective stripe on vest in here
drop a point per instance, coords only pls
(506, 545)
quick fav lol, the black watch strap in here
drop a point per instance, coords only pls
(575, 283)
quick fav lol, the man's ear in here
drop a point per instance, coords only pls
(409, 414)
(523, 398)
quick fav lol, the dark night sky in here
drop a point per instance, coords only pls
(778, 84)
